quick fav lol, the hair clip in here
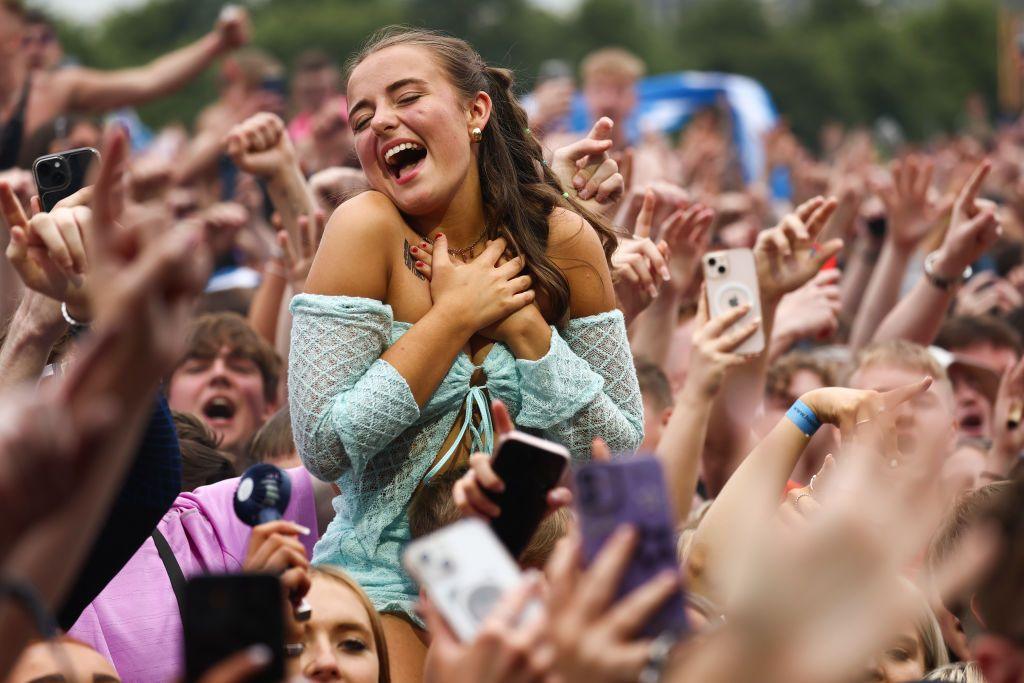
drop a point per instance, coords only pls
(565, 195)
(527, 131)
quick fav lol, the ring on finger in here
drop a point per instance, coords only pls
(796, 501)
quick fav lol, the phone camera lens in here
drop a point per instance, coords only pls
(447, 566)
(721, 269)
(425, 558)
(712, 261)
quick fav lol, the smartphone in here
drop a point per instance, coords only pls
(465, 570)
(530, 467)
(61, 175)
(731, 278)
(226, 613)
(632, 491)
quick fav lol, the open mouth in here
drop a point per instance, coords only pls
(970, 423)
(219, 410)
(403, 160)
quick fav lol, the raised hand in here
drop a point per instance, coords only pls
(686, 232)
(639, 266)
(810, 312)
(511, 646)
(987, 293)
(911, 212)
(786, 255)
(714, 341)
(973, 228)
(275, 548)
(595, 637)
(846, 408)
(298, 259)
(260, 145)
(1008, 426)
(587, 168)
(48, 252)
(468, 491)
(233, 27)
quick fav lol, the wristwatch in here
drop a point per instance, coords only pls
(941, 282)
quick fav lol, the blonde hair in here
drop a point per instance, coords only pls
(612, 62)
(958, 672)
(380, 644)
(904, 354)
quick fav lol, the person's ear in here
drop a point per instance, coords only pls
(479, 112)
(666, 415)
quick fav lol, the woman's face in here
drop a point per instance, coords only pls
(338, 639)
(399, 97)
(903, 660)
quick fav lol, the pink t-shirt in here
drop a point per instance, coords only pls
(134, 622)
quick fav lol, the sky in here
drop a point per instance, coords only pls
(90, 11)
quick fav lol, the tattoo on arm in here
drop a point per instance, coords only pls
(410, 262)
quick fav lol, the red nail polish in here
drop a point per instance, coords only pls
(413, 250)
(419, 264)
(439, 235)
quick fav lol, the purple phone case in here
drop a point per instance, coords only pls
(632, 491)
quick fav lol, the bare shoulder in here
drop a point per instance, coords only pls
(575, 247)
(354, 257)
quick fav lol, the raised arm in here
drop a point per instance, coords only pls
(973, 228)
(786, 259)
(711, 355)
(761, 478)
(910, 214)
(104, 90)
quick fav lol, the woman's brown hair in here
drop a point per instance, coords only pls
(519, 190)
(380, 645)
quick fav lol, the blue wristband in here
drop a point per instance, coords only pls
(804, 418)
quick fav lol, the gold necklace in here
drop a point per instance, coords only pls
(459, 253)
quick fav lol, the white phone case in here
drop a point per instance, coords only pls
(465, 570)
(731, 278)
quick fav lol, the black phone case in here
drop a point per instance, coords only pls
(77, 163)
(225, 614)
(528, 473)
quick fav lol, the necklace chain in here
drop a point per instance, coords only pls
(459, 253)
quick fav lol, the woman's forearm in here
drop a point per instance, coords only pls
(856, 276)
(752, 491)
(681, 446)
(882, 293)
(424, 354)
(652, 330)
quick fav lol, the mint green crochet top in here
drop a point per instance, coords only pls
(357, 424)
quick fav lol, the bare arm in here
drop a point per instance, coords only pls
(104, 90)
(785, 261)
(973, 228)
(36, 327)
(266, 303)
(882, 294)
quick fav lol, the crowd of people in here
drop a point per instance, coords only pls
(369, 274)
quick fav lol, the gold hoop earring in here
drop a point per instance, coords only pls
(476, 135)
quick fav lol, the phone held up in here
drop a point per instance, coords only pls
(529, 467)
(61, 175)
(632, 492)
(465, 571)
(731, 278)
(227, 613)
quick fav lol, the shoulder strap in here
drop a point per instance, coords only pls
(173, 568)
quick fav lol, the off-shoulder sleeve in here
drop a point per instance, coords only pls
(346, 403)
(585, 387)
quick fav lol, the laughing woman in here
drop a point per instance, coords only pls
(391, 373)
